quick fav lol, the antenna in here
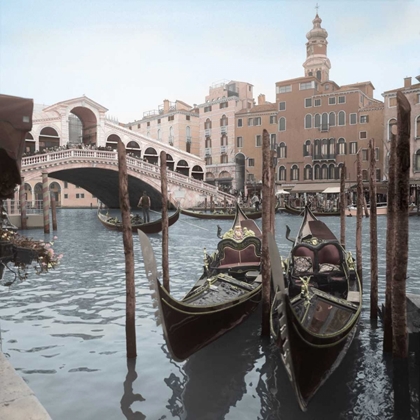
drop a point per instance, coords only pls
(317, 7)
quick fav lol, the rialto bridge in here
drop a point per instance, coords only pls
(82, 151)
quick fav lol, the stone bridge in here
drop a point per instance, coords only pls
(97, 172)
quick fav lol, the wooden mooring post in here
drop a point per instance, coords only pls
(373, 234)
(343, 205)
(359, 217)
(54, 212)
(46, 202)
(402, 171)
(266, 219)
(165, 227)
(130, 307)
(22, 200)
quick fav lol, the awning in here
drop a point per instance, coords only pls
(279, 192)
(331, 190)
(314, 187)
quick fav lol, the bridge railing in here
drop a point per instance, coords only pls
(32, 207)
(145, 167)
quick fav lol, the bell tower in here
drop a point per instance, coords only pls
(317, 63)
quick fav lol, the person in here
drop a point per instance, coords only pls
(256, 202)
(145, 203)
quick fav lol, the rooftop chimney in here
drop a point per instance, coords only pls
(261, 99)
(407, 82)
(165, 106)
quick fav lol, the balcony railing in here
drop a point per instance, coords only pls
(223, 149)
(325, 156)
(223, 129)
(207, 151)
(324, 128)
(207, 132)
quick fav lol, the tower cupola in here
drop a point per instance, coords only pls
(317, 63)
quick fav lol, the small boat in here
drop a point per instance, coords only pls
(155, 226)
(228, 214)
(381, 210)
(227, 292)
(317, 300)
(298, 211)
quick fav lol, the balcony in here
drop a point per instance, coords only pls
(223, 129)
(171, 140)
(207, 132)
(207, 151)
(223, 149)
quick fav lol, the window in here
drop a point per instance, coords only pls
(307, 173)
(171, 118)
(294, 173)
(317, 102)
(317, 171)
(307, 148)
(363, 135)
(239, 142)
(392, 128)
(341, 146)
(138, 125)
(258, 140)
(273, 119)
(159, 134)
(365, 155)
(282, 173)
(377, 154)
(187, 117)
(250, 122)
(324, 122)
(353, 119)
(257, 121)
(341, 118)
(273, 141)
(208, 160)
(282, 151)
(160, 120)
(331, 100)
(148, 123)
(353, 147)
(341, 99)
(240, 122)
(66, 184)
(308, 121)
(251, 162)
(331, 119)
(207, 108)
(77, 195)
(283, 89)
(66, 196)
(317, 121)
(224, 158)
(378, 175)
(364, 119)
(282, 124)
(327, 86)
(417, 161)
(282, 106)
(307, 85)
(308, 102)
(364, 174)
(417, 128)
(223, 105)
(392, 102)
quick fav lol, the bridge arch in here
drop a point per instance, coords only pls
(48, 138)
(197, 172)
(182, 167)
(151, 156)
(89, 122)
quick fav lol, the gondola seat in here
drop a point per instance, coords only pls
(245, 254)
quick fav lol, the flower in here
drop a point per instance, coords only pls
(26, 252)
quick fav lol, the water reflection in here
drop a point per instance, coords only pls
(129, 397)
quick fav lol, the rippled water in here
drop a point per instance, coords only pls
(64, 332)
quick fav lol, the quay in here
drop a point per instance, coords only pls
(17, 400)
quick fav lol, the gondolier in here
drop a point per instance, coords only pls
(145, 203)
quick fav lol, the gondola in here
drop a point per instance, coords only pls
(317, 300)
(155, 226)
(227, 292)
(221, 214)
(299, 211)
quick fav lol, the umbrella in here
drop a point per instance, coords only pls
(279, 192)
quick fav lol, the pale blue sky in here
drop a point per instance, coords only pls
(130, 55)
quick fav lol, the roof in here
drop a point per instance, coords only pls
(267, 107)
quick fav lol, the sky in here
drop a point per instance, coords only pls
(130, 55)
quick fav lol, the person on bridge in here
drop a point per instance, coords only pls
(145, 203)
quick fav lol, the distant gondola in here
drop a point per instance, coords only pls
(155, 226)
(227, 292)
(316, 306)
(299, 211)
(221, 214)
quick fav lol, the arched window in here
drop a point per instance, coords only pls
(317, 171)
(282, 151)
(331, 171)
(223, 121)
(171, 136)
(159, 134)
(342, 146)
(308, 121)
(417, 161)
(307, 173)
(207, 124)
(282, 124)
(324, 172)
(392, 128)
(417, 127)
(324, 122)
(317, 149)
(294, 173)
(317, 120)
(331, 119)
(341, 118)
(282, 173)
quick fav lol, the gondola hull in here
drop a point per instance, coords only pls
(299, 211)
(150, 228)
(189, 328)
(219, 216)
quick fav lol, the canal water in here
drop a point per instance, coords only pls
(64, 332)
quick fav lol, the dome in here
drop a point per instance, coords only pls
(317, 31)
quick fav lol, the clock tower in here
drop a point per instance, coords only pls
(317, 63)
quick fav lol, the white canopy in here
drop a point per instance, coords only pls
(331, 190)
(279, 192)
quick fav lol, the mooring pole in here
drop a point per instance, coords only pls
(373, 235)
(390, 240)
(399, 299)
(272, 191)
(359, 216)
(22, 199)
(165, 227)
(130, 306)
(343, 205)
(54, 212)
(46, 202)
(265, 258)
